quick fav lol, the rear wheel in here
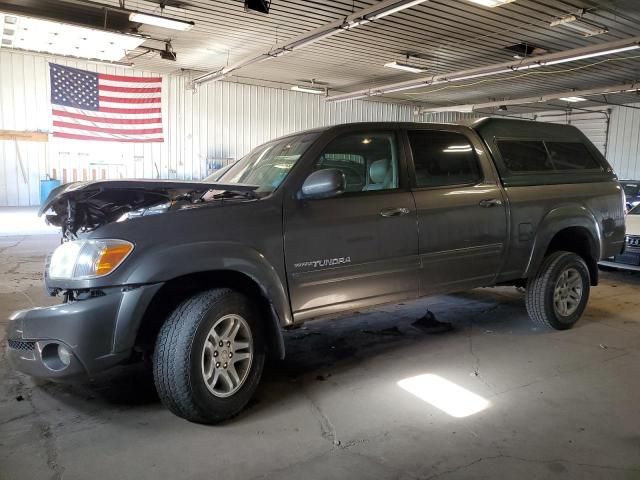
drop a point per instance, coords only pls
(557, 296)
(209, 356)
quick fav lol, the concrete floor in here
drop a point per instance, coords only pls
(24, 221)
(558, 404)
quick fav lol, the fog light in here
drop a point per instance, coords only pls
(55, 356)
(64, 354)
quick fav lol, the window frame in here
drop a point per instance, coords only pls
(412, 166)
(403, 184)
(555, 171)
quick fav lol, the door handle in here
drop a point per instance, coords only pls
(493, 202)
(394, 212)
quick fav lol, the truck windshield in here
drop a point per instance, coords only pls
(266, 166)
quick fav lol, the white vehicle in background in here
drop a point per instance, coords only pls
(629, 259)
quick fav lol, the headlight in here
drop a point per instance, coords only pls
(83, 259)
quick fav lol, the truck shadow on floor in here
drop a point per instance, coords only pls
(321, 349)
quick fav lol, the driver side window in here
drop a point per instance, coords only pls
(368, 160)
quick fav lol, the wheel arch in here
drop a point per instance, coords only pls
(573, 229)
(178, 289)
(191, 267)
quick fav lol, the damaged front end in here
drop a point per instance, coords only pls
(84, 206)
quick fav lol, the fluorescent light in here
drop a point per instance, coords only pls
(403, 5)
(158, 21)
(563, 20)
(406, 67)
(591, 55)
(396, 89)
(586, 28)
(48, 36)
(491, 3)
(445, 395)
(315, 91)
(453, 108)
(573, 99)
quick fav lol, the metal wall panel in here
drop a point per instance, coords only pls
(219, 121)
(624, 142)
(593, 123)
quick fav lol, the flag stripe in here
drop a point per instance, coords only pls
(155, 95)
(130, 113)
(75, 136)
(96, 119)
(123, 78)
(111, 127)
(91, 128)
(110, 88)
(104, 98)
(112, 83)
(129, 110)
(80, 131)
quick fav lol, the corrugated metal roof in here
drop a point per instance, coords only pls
(451, 34)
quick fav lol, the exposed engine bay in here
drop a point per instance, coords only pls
(84, 206)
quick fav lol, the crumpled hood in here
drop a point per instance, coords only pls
(88, 205)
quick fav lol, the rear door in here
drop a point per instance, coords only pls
(359, 248)
(461, 211)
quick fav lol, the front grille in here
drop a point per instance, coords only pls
(632, 241)
(22, 345)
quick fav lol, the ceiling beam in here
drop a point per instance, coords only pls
(358, 18)
(468, 108)
(548, 59)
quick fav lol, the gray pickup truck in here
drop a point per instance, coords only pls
(201, 277)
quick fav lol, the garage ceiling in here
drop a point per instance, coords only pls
(446, 35)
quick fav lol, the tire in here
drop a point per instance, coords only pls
(183, 359)
(539, 299)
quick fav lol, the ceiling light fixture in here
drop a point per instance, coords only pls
(302, 88)
(48, 36)
(491, 3)
(159, 21)
(577, 23)
(572, 99)
(608, 48)
(569, 97)
(591, 55)
(405, 66)
(395, 8)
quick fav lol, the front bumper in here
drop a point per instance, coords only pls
(98, 333)
(628, 259)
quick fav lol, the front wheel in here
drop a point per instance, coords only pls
(209, 356)
(557, 296)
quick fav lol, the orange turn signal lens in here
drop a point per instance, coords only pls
(112, 256)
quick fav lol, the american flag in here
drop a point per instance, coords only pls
(97, 106)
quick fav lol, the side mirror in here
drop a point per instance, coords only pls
(326, 183)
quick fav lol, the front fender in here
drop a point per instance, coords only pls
(557, 220)
(164, 263)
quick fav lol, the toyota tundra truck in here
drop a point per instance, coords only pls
(201, 278)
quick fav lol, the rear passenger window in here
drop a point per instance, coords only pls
(523, 156)
(571, 156)
(443, 158)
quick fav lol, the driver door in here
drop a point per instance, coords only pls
(359, 248)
